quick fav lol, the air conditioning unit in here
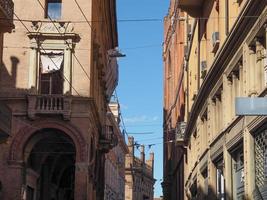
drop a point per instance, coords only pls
(203, 69)
(215, 41)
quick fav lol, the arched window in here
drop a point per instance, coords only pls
(53, 9)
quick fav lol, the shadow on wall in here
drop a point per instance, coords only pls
(8, 79)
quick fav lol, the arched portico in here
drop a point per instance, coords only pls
(53, 158)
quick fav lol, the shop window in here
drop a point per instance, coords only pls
(238, 174)
(51, 72)
(206, 182)
(53, 9)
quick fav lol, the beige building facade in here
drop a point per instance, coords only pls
(225, 154)
(139, 174)
(58, 74)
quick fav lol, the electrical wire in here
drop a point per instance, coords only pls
(131, 20)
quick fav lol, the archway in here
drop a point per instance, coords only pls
(49, 173)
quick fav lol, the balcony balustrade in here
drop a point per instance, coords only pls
(108, 139)
(6, 14)
(49, 104)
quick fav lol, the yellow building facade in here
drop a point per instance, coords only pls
(225, 156)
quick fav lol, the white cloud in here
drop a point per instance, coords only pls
(123, 107)
(140, 119)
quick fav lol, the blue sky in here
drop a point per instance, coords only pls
(141, 71)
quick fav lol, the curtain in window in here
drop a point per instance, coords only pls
(51, 61)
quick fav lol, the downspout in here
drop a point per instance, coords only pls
(198, 56)
(226, 17)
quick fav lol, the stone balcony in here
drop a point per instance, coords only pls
(49, 105)
(108, 139)
(192, 7)
(6, 15)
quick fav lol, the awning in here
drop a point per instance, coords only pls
(51, 60)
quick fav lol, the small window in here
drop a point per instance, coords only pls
(53, 9)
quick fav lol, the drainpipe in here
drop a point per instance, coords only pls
(226, 17)
(198, 56)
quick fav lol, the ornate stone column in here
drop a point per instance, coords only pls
(33, 68)
(67, 70)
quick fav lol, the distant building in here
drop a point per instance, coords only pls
(139, 174)
(115, 160)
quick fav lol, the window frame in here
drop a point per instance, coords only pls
(46, 14)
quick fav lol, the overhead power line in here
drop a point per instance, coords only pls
(131, 20)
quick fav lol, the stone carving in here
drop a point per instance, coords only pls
(52, 27)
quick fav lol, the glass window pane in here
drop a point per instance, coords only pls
(54, 9)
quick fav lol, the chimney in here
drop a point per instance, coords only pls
(142, 153)
(131, 145)
(150, 161)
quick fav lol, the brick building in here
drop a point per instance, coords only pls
(174, 105)
(58, 74)
(6, 25)
(139, 174)
(115, 159)
(225, 154)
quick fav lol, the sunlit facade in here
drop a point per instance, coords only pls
(225, 154)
